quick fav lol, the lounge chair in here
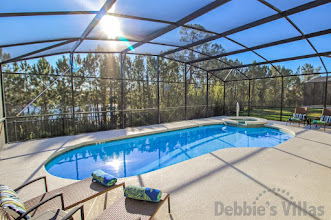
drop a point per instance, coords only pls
(53, 214)
(299, 116)
(16, 212)
(325, 119)
(72, 195)
(60, 214)
(126, 208)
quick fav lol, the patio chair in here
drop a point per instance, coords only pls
(127, 208)
(299, 116)
(325, 119)
(72, 195)
(10, 213)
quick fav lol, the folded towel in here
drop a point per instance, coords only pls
(103, 178)
(143, 193)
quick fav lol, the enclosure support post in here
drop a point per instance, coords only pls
(207, 91)
(185, 95)
(326, 89)
(3, 106)
(224, 98)
(249, 97)
(158, 90)
(72, 92)
(281, 101)
(122, 58)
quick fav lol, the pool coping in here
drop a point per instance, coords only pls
(232, 173)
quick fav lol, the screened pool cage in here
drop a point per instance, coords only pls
(70, 67)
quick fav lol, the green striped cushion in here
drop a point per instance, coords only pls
(10, 202)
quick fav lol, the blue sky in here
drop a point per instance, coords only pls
(231, 15)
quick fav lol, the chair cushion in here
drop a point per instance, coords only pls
(6, 191)
(297, 117)
(319, 122)
(10, 202)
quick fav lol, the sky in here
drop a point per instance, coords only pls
(226, 17)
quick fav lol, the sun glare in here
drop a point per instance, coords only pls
(111, 26)
(115, 164)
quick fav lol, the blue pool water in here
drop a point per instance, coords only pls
(139, 155)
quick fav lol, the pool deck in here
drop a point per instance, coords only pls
(298, 170)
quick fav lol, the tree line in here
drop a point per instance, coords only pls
(97, 83)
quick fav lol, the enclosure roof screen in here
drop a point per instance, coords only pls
(230, 34)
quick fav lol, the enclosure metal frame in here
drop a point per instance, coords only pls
(72, 91)
(4, 120)
(187, 64)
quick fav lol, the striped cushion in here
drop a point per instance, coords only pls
(326, 118)
(297, 117)
(5, 191)
(10, 202)
(322, 118)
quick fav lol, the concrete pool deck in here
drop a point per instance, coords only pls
(297, 170)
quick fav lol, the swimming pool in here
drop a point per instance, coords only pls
(134, 156)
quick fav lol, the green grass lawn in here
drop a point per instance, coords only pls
(274, 113)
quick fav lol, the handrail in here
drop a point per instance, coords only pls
(52, 125)
(126, 110)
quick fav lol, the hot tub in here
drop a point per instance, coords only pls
(243, 121)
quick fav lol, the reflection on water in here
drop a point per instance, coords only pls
(144, 154)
